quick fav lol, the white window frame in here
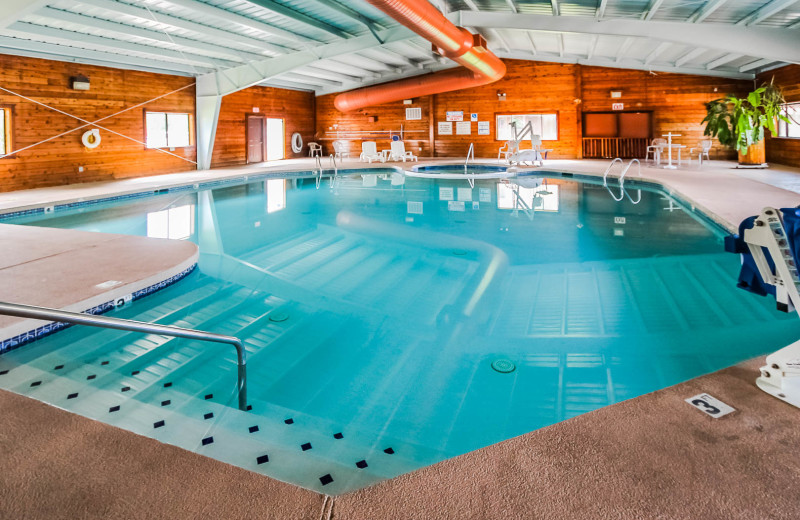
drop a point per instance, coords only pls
(166, 115)
(548, 137)
(784, 129)
(5, 131)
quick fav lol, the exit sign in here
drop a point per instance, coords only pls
(617, 106)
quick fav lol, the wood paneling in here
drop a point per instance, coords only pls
(296, 108)
(784, 150)
(676, 100)
(58, 161)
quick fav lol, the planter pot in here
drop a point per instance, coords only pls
(756, 156)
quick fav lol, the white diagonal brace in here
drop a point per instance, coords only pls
(13, 10)
(601, 10)
(657, 52)
(297, 16)
(651, 9)
(754, 65)
(706, 11)
(722, 60)
(779, 44)
(689, 56)
(765, 11)
(187, 25)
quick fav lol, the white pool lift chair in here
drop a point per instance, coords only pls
(369, 152)
(399, 152)
(507, 150)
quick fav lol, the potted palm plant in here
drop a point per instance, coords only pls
(740, 122)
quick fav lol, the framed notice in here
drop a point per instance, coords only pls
(455, 115)
(445, 128)
(473, 117)
(617, 106)
(483, 128)
(463, 128)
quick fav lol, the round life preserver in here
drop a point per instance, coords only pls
(91, 138)
(297, 142)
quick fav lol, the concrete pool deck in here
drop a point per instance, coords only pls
(650, 457)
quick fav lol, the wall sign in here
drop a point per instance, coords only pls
(617, 106)
(473, 117)
(445, 128)
(483, 128)
(456, 205)
(455, 115)
(445, 193)
(463, 128)
(710, 406)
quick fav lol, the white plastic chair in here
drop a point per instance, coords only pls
(369, 152)
(507, 150)
(656, 148)
(399, 152)
(314, 149)
(341, 150)
(703, 149)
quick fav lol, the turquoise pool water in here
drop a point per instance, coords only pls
(373, 312)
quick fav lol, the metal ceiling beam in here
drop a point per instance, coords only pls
(496, 34)
(651, 9)
(706, 11)
(778, 44)
(601, 10)
(73, 38)
(186, 25)
(395, 56)
(279, 83)
(53, 51)
(689, 56)
(755, 65)
(13, 10)
(354, 15)
(765, 11)
(592, 47)
(238, 78)
(228, 16)
(297, 16)
(316, 72)
(345, 68)
(554, 7)
(90, 22)
(722, 60)
(400, 75)
(296, 77)
(657, 52)
(623, 49)
(511, 5)
(627, 64)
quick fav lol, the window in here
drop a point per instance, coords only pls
(175, 223)
(5, 131)
(792, 128)
(545, 125)
(276, 195)
(167, 130)
(540, 198)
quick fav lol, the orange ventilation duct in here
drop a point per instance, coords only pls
(456, 43)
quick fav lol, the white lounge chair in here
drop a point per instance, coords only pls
(703, 149)
(340, 149)
(399, 152)
(369, 152)
(507, 150)
(314, 149)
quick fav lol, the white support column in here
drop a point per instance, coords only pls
(206, 120)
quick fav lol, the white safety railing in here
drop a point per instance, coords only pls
(318, 172)
(470, 153)
(621, 179)
(335, 170)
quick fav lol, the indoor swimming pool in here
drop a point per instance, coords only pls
(392, 322)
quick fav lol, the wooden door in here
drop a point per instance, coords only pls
(255, 139)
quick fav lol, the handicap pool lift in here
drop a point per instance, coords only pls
(780, 377)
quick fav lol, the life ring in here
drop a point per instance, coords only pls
(91, 138)
(297, 142)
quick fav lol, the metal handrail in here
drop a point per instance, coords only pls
(470, 153)
(319, 172)
(621, 180)
(44, 313)
(335, 170)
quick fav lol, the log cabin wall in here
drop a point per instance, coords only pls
(58, 161)
(784, 150)
(296, 108)
(676, 100)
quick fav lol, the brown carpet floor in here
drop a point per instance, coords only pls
(654, 457)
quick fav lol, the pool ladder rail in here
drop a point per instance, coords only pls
(318, 172)
(105, 322)
(625, 168)
(470, 153)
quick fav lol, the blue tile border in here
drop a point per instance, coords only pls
(10, 344)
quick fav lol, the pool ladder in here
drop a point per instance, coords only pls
(621, 179)
(334, 167)
(470, 153)
(44, 313)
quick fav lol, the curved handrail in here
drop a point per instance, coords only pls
(335, 170)
(622, 192)
(608, 170)
(319, 171)
(622, 180)
(470, 153)
(105, 322)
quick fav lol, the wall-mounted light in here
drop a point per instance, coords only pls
(616, 94)
(408, 101)
(501, 96)
(79, 82)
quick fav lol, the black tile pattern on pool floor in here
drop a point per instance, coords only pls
(361, 464)
(125, 389)
(113, 409)
(4, 372)
(338, 435)
(89, 378)
(209, 415)
(253, 429)
(104, 363)
(262, 459)
(209, 396)
(207, 441)
(36, 383)
(306, 446)
(59, 367)
(167, 385)
(390, 451)
(159, 424)
(72, 396)
(166, 403)
(135, 373)
(289, 421)
(326, 479)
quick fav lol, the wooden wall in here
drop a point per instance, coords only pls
(57, 162)
(296, 108)
(676, 100)
(784, 150)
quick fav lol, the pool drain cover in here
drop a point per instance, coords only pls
(504, 366)
(278, 317)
